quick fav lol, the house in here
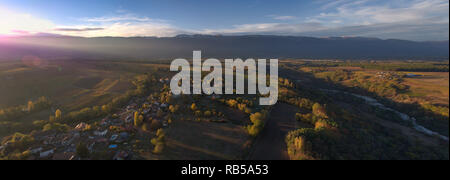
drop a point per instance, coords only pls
(122, 155)
(411, 75)
(46, 153)
(104, 122)
(37, 150)
(101, 140)
(81, 127)
(64, 156)
(114, 137)
(164, 80)
(146, 111)
(123, 137)
(101, 133)
(91, 147)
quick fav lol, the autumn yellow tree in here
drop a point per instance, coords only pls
(159, 141)
(105, 109)
(173, 109)
(193, 107)
(319, 111)
(30, 106)
(58, 114)
(138, 119)
(258, 123)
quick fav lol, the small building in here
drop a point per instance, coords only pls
(101, 133)
(46, 153)
(114, 137)
(412, 75)
(81, 127)
(37, 150)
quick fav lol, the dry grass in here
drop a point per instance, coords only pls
(433, 86)
(204, 141)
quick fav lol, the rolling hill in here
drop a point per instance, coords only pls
(254, 46)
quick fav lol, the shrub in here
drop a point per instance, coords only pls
(207, 113)
(158, 148)
(19, 141)
(56, 127)
(257, 126)
(319, 111)
(82, 150)
(159, 141)
(155, 125)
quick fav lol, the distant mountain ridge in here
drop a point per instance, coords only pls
(217, 46)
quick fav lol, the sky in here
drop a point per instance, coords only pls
(418, 20)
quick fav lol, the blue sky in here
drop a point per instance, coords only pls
(402, 19)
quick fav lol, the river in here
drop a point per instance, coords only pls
(403, 116)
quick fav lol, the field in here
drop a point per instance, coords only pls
(69, 85)
(431, 86)
(125, 110)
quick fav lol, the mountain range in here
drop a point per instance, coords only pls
(217, 46)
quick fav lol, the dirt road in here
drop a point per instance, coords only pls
(270, 145)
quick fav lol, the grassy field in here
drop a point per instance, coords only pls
(207, 127)
(432, 86)
(69, 85)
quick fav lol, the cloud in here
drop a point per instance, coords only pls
(268, 28)
(362, 12)
(412, 20)
(125, 25)
(331, 3)
(401, 19)
(20, 32)
(123, 29)
(407, 31)
(78, 29)
(126, 17)
(16, 23)
(283, 18)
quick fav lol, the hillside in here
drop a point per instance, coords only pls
(254, 46)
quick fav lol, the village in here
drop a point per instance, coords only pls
(115, 137)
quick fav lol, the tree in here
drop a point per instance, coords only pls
(51, 118)
(232, 103)
(58, 114)
(82, 150)
(198, 113)
(159, 141)
(207, 113)
(30, 106)
(193, 107)
(158, 148)
(145, 127)
(155, 124)
(160, 132)
(138, 119)
(319, 111)
(258, 123)
(159, 113)
(256, 118)
(105, 109)
(173, 109)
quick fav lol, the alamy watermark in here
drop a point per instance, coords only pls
(267, 85)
